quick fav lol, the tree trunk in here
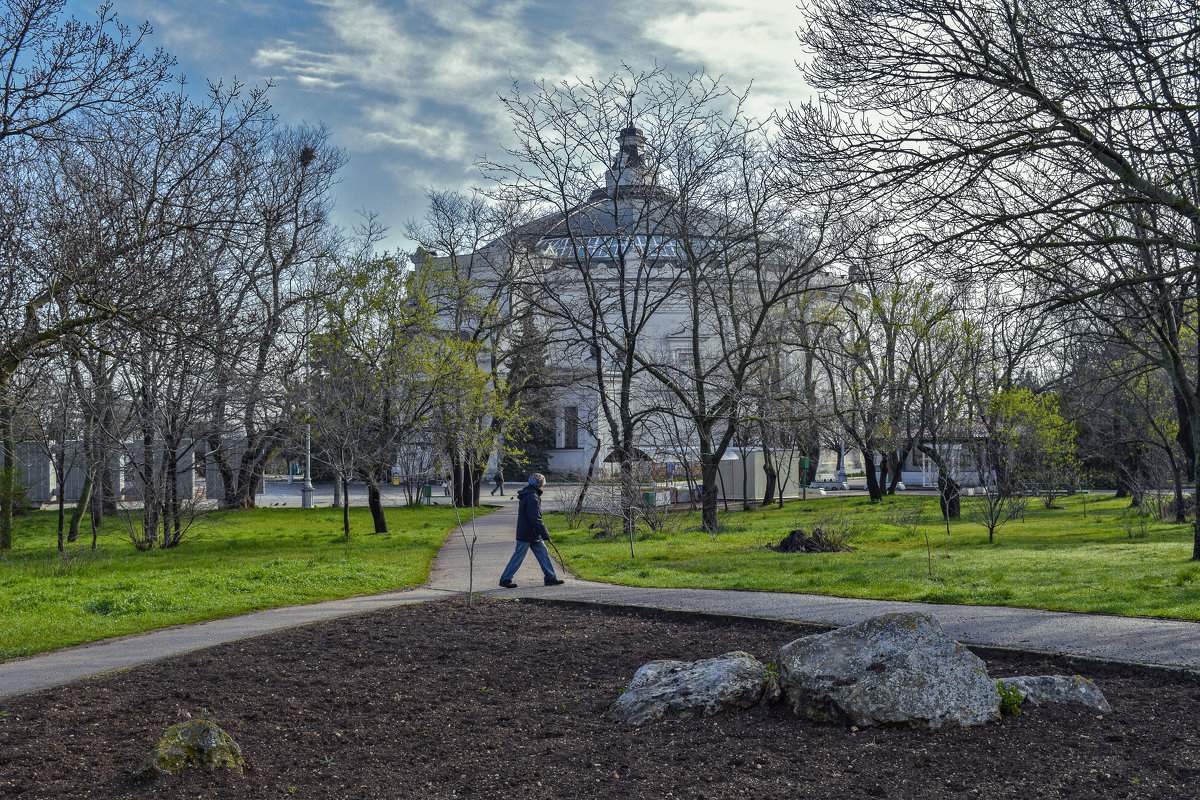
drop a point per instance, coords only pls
(8, 475)
(949, 497)
(810, 475)
(628, 521)
(345, 482)
(466, 480)
(108, 477)
(81, 505)
(1122, 482)
(149, 495)
(1177, 475)
(710, 469)
(1196, 471)
(745, 483)
(375, 503)
(872, 476)
(1187, 436)
(949, 491)
(216, 451)
(172, 510)
(587, 480)
(898, 459)
(249, 474)
(62, 501)
(772, 476)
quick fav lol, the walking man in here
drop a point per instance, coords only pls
(498, 479)
(531, 530)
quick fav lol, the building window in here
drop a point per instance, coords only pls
(571, 426)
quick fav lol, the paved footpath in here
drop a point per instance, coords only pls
(1146, 641)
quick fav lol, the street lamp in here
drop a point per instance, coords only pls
(306, 491)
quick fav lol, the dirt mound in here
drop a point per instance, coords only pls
(819, 541)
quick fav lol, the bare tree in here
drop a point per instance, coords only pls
(471, 249)
(380, 378)
(56, 71)
(1057, 142)
(261, 283)
(683, 225)
(992, 508)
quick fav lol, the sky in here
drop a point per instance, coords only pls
(409, 89)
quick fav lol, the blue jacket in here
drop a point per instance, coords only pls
(530, 527)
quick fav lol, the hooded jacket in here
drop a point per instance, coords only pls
(530, 527)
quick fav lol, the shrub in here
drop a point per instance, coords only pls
(1010, 699)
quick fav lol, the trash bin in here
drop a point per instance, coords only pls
(648, 498)
(427, 493)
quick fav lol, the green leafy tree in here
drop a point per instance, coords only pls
(1030, 444)
(531, 435)
(379, 376)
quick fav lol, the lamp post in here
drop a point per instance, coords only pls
(306, 491)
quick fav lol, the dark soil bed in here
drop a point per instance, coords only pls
(504, 699)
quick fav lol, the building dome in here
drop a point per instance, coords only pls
(631, 216)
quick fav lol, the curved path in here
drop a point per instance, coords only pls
(1157, 642)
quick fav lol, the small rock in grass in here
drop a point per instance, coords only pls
(195, 743)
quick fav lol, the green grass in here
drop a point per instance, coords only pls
(1056, 559)
(232, 562)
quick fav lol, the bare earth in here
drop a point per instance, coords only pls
(504, 699)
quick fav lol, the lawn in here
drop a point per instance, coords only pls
(1056, 559)
(231, 562)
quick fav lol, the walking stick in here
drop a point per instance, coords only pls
(560, 558)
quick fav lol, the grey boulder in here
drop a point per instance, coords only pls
(1039, 689)
(896, 668)
(710, 686)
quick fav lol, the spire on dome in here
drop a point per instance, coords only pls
(629, 168)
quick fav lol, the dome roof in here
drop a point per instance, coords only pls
(630, 212)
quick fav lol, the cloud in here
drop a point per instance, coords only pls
(409, 87)
(425, 74)
(743, 40)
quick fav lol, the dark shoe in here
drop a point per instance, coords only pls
(555, 582)
(508, 584)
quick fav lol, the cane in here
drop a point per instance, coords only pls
(560, 558)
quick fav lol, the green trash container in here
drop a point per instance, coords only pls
(648, 498)
(427, 493)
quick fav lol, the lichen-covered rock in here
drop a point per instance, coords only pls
(1039, 689)
(687, 688)
(897, 668)
(195, 743)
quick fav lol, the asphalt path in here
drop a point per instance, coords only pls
(474, 555)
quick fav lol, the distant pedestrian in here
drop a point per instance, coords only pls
(531, 530)
(498, 479)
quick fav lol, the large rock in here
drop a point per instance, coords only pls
(196, 743)
(897, 668)
(1039, 689)
(731, 681)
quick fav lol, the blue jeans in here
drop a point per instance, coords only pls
(539, 551)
